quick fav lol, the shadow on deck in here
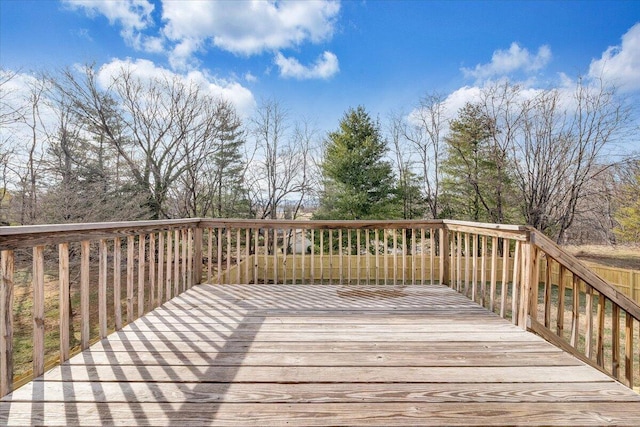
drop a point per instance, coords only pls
(322, 355)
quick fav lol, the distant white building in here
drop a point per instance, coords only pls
(300, 243)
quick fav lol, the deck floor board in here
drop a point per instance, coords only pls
(322, 355)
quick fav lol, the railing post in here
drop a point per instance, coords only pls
(197, 255)
(6, 322)
(525, 284)
(444, 256)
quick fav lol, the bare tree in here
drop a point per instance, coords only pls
(565, 142)
(279, 172)
(425, 131)
(160, 127)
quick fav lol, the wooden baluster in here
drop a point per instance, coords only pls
(330, 256)
(494, 272)
(589, 319)
(256, 236)
(432, 256)
(358, 260)
(186, 265)
(628, 349)
(385, 258)
(85, 331)
(376, 234)
(141, 275)
(349, 255)
(341, 275)
(102, 289)
(292, 245)
(458, 262)
(238, 255)
(196, 255)
(404, 255)
(267, 277)
(38, 311)
(395, 257)
(152, 271)
(130, 274)
(547, 292)
(474, 274)
(505, 278)
(189, 257)
(423, 256)
(467, 265)
(444, 257)
(322, 256)
(209, 255)
(367, 256)
(600, 334)
(515, 284)
(161, 249)
(483, 269)
(561, 304)
(413, 256)
(228, 256)
(63, 302)
(615, 340)
(575, 311)
(219, 247)
(534, 277)
(167, 290)
(176, 263)
(7, 268)
(312, 260)
(247, 255)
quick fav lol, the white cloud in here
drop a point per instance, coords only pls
(250, 77)
(505, 62)
(248, 27)
(132, 15)
(234, 92)
(325, 67)
(620, 65)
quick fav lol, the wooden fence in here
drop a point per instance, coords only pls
(513, 271)
(628, 281)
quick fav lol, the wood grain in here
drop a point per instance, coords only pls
(318, 355)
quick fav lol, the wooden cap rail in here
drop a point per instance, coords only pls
(514, 271)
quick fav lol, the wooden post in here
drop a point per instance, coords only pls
(197, 256)
(534, 280)
(63, 301)
(525, 288)
(6, 322)
(444, 256)
(38, 311)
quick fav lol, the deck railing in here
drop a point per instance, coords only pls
(513, 271)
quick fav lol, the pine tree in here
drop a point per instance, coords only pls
(477, 184)
(358, 182)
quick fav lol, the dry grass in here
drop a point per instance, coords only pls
(627, 257)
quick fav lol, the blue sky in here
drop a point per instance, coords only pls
(320, 58)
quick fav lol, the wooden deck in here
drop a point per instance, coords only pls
(322, 355)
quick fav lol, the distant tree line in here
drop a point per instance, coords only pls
(77, 149)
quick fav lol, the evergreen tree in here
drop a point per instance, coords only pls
(358, 181)
(477, 185)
